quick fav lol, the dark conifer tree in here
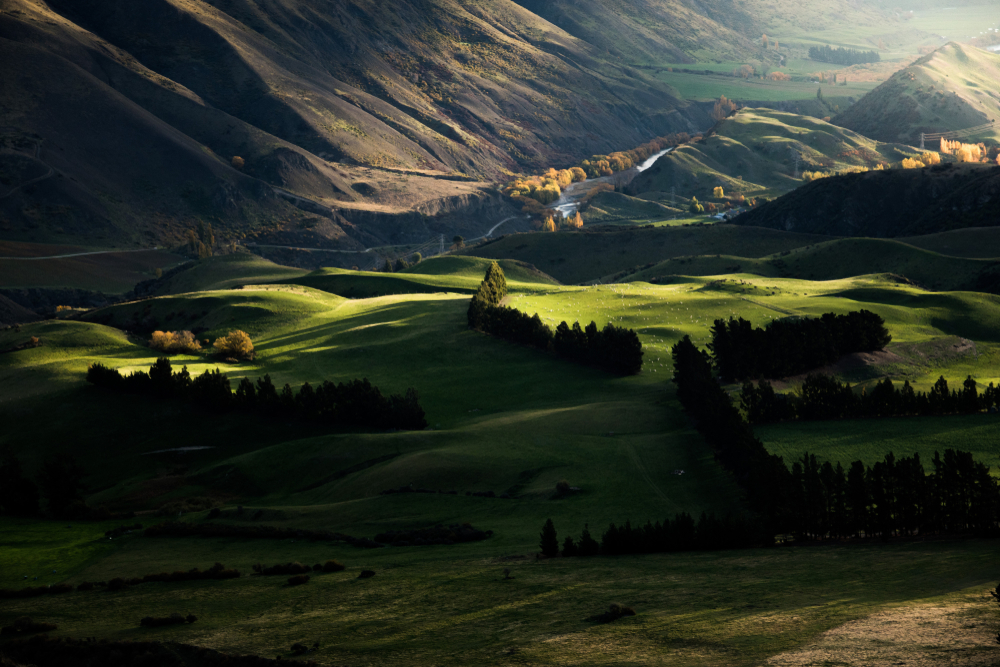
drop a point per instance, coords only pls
(549, 542)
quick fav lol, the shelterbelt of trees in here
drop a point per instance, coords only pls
(891, 499)
(546, 188)
(844, 56)
(789, 347)
(615, 349)
(355, 403)
(822, 397)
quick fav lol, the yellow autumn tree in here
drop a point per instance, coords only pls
(576, 222)
(236, 344)
(718, 192)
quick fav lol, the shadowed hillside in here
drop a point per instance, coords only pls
(895, 202)
(129, 116)
(954, 88)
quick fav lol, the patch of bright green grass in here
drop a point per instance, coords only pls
(42, 553)
(706, 87)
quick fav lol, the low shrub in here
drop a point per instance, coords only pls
(34, 591)
(85, 586)
(614, 612)
(366, 574)
(287, 568)
(117, 584)
(161, 621)
(26, 626)
(298, 580)
(175, 342)
(333, 566)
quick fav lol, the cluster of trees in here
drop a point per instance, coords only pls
(845, 56)
(823, 397)
(174, 342)
(546, 188)
(59, 482)
(964, 152)
(200, 241)
(297, 568)
(923, 160)
(228, 530)
(615, 349)
(682, 533)
(723, 107)
(893, 498)
(355, 403)
(889, 499)
(791, 346)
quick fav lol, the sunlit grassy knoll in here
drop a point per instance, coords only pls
(451, 605)
(753, 153)
(366, 284)
(463, 266)
(226, 271)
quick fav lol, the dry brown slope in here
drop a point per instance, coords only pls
(955, 88)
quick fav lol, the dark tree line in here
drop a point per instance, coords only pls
(789, 347)
(683, 533)
(59, 482)
(822, 397)
(891, 498)
(615, 349)
(355, 403)
(845, 56)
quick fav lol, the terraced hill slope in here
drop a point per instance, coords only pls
(753, 153)
(953, 88)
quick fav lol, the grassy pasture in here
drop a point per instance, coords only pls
(503, 418)
(706, 87)
(451, 605)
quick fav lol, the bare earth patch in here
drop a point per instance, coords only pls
(919, 636)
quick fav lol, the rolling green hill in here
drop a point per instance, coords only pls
(503, 418)
(753, 153)
(595, 253)
(953, 88)
(837, 259)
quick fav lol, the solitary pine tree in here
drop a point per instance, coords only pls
(549, 543)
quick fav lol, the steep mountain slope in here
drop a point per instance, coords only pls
(366, 107)
(753, 153)
(885, 204)
(656, 31)
(954, 88)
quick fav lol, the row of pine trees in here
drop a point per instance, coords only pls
(615, 349)
(791, 346)
(959, 497)
(355, 403)
(822, 397)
